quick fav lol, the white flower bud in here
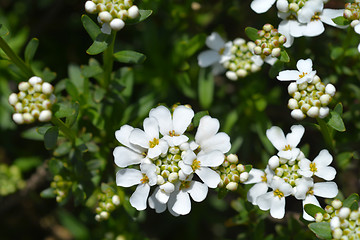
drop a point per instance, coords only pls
(313, 112)
(160, 180)
(251, 45)
(240, 168)
(241, 73)
(279, 172)
(354, 23)
(21, 95)
(105, 16)
(344, 212)
(38, 88)
(282, 5)
(104, 215)
(45, 116)
(24, 86)
(18, 118)
(336, 204)
(297, 114)
(47, 88)
(244, 176)
(347, 13)
(167, 187)
(274, 162)
(35, 113)
(330, 89)
(233, 158)
(117, 24)
(337, 233)
(13, 99)
(128, 3)
(325, 99)
(354, 215)
(255, 68)
(294, 7)
(239, 41)
(34, 80)
(182, 175)
(231, 75)
(232, 186)
(115, 200)
(319, 217)
(173, 177)
(276, 52)
(257, 50)
(18, 107)
(324, 112)
(293, 104)
(28, 118)
(133, 12)
(297, 95)
(90, 7)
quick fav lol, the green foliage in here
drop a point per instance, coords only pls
(252, 33)
(129, 57)
(321, 229)
(312, 209)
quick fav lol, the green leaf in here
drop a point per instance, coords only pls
(55, 166)
(335, 121)
(62, 149)
(205, 88)
(99, 94)
(321, 229)
(349, 201)
(312, 209)
(336, 52)
(284, 57)
(75, 226)
(27, 163)
(64, 110)
(30, 50)
(32, 134)
(343, 159)
(252, 33)
(42, 130)
(50, 138)
(339, 108)
(48, 193)
(91, 71)
(341, 21)
(194, 45)
(99, 45)
(70, 120)
(129, 57)
(198, 116)
(90, 26)
(3, 30)
(48, 75)
(276, 68)
(248, 168)
(143, 14)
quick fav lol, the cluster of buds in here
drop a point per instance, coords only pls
(33, 102)
(10, 179)
(241, 62)
(352, 11)
(310, 99)
(108, 200)
(112, 13)
(344, 222)
(290, 5)
(232, 173)
(61, 187)
(269, 43)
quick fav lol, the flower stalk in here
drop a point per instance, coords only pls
(108, 61)
(326, 133)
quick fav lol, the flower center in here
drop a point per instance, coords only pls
(302, 75)
(195, 165)
(287, 147)
(313, 167)
(173, 134)
(310, 192)
(145, 179)
(154, 143)
(278, 193)
(316, 17)
(263, 178)
(184, 185)
(221, 51)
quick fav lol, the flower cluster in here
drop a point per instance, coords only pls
(33, 102)
(344, 222)
(352, 13)
(300, 17)
(232, 173)
(310, 96)
(291, 173)
(108, 201)
(61, 187)
(112, 13)
(269, 43)
(10, 179)
(162, 156)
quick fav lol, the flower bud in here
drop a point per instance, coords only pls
(313, 112)
(297, 114)
(266, 51)
(282, 5)
(117, 24)
(13, 99)
(336, 204)
(105, 16)
(274, 162)
(293, 104)
(240, 168)
(244, 176)
(45, 116)
(257, 50)
(241, 73)
(319, 217)
(268, 27)
(34, 80)
(344, 212)
(337, 233)
(354, 23)
(167, 187)
(128, 3)
(231, 75)
(28, 118)
(239, 41)
(18, 118)
(233, 158)
(276, 52)
(115, 200)
(294, 7)
(133, 12)
(324, 112)
(330, 89)
(173, 177)
(250, 45)
(47, 88)
(160, 180)
(232, 186)
(104, 215)
(90, 7)
(347, 13)
(292, 88)
(24, 86)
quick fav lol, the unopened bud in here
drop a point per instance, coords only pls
(133, 12)
(324, 112)
(233, 158)
(90, 7)
(18, 118)
(115, 200)
(292, 88)
(34, 80)
(319, 217)
(13, 99)
(241, 73)
(347, 13)
(117, 24)
(276, 52)
(257, 50)
(336, 203)
(294, 7)
(297, 114)
(105, 16)
(244, 176)
(231, 75)
(344, 212)
(47, 88)
(45, 116)
(232, 186)
(282, 5)
(354, 23)
(268, 27)
(313, 112)
(24, 86)
(274, 162)
(330, 89)
(28, 118)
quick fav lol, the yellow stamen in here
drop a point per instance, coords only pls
(263, 178)
(184, 184)
(154, 143)
(278, 193)
(145, 179)
(287, 147)
(310, 192)
(172, 133)
(302, 75)
(195, 165)
(313, 167)
(316, 17)
(221, 51)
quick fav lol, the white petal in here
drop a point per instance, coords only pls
(357, 28)
(326, 189)
(208, 58)
(182, 118)
(128, 177)
(256, 191)
(261, 6)
(155, 204)
(288, 75)
(276, 137)
(323, 159)
(277, 209)
(124, 157)
(197, 191)
(175, 140)
(313, 28)
(151, 128)
(310, 199)
(163, 116)
(185, 168)
(140, 138)
(189, 157)
(264, 201)
(296, 28)
(217, 69)
(255, 176)
(304, 164)
(359, 46)
(220, 141)
(182, 204)
(215, 42)
(285, 154)
(286, 189)
(304, 66)
(328, 14)
(327, 173)
(207, 128)
(150, 171)
(257, 60)
(123, 134)
(293, 138)
(139, 198)
(211, 159)
(154, 152)
(162, 197)
(208, 176)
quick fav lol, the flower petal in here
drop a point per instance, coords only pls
(151, 128)
(211, 159)
(182, 204)
(288, 75)
(189, 157)
(128, 177)
(328, 14)
(323, 159)
(208, 176)
(256, 191)
(313, 28)
(293, 138)
(187, 170)
(155, 204)
(357, 28)
(198, 191)
(182, 117)
(327, 173)
(220, 141)
(296, 28)
(264, 201)
(208, 58)
(214, 41)
(310, 199)
(162, 197)
(326, 189)
(261, 6)
(277, 209)
(276, 137)
(255, 176)
(163, 116)
(140, 138)
(304, 66)
(207, 128)
(139, 198)
(124, 157)
(123, 134)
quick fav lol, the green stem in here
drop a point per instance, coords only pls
(64, 129)
(326, 133)
(15, 58)
(109, 61)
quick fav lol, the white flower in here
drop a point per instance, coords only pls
(262, 181)
(201, 164)
(275, 200)
(303, 74)
(261, 6)
(207, 137)
(144, 179)
(284, 28)
(131, 153)
(149, 138)
(319, 167)
(286, 145)
(173, 127)
(219, 51)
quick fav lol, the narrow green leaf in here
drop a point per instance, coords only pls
(90, 26)
(349, 201)
(70, 120)
(143, 14)
(129, 57)
(62, 149)
(321, 229)
(30, 50)
(48, 75)
(99, 94)
(50, 137)
(341, 21)
(91, 71)
(3, 30)
(64, 110)
(71, 89)
(339, 108)
(32, 134)
(284, 57)
(252, 33)
(198, 116)
(205, 88)
(312, 209)
(99, 45)
(42, 130)
(343, 159)
(55, 166)
(335, 121)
